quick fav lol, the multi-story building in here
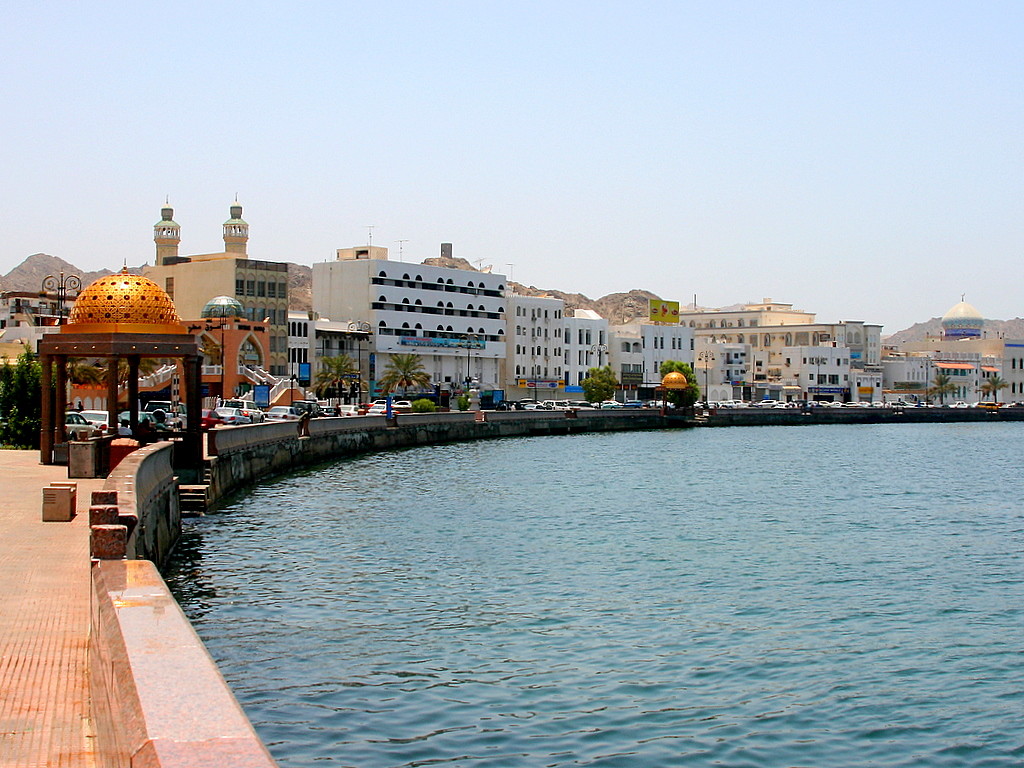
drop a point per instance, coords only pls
(585, 345)
(311, 339)
(765, 332)
(191, 281)
(453, 318)
(535, 348)
(639, 349)
(26, 316)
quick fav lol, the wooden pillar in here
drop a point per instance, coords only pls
(46, 428)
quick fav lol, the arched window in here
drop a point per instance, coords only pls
(405, 277)
(405, 300)
(405, 325)
(449, 328)
(789, 339)
(382, 298)
(449, 305)
(419, 327)
(470, 283)
(767, 340)
(418, 302)
(382, 273)
(625, 346)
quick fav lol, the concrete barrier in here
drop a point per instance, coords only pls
(158, 699)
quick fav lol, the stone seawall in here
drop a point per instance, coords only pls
(751, 417)
(241, 456)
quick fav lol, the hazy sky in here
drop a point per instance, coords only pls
(860, 160)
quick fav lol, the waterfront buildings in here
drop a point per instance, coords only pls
(964, 353)
(453, 318)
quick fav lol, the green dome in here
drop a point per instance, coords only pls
(223, 306)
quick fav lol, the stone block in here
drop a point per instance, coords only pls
(109, 542)
(104, 497)
(103, 514)
(57, 506)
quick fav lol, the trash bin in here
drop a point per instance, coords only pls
(83, 459)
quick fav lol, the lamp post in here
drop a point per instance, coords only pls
(468, 341)
(706, 357)
(817, 361)
(359, 326)
(597, 349)
(60, 285)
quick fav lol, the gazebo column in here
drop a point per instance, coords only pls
(193, 411)
(112, 366)
(46, 427)
(60, 395)
(133, 385)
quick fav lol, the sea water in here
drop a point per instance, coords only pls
(841, 595)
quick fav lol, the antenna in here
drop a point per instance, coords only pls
(401, 244)
(370, 228)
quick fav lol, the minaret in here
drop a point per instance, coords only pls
(236, 231)
(166, 235)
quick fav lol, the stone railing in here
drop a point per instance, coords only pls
(158, 699)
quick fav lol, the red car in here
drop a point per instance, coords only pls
(209, 418)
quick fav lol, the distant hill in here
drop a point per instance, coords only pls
(617, 308)
(1007, 329)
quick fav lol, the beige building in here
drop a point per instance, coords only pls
(191, 281)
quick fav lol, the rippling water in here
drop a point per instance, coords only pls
(780, 596)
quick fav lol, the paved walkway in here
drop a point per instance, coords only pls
(44, 620)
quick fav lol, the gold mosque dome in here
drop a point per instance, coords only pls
(124, 303)
(675, 380)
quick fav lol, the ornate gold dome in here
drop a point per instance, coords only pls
(123, 303)
(675, 380)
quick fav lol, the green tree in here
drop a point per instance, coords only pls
(423, 406)
(21, 401)
(942, 385)
(404, 371)
(992, 385)
(681, 398)
(335, 374)
(599, 384)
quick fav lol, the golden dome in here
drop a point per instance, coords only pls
(675, 380)
(123, 303)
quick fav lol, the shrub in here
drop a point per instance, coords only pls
(423, 406)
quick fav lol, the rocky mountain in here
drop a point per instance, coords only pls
(29, 275)
(1007, 329)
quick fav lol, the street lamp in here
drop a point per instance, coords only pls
(60, 285)
(597, 349)
(817, 361)
(359, 326)
(468, 341)
(706, 357)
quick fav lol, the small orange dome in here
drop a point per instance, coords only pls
(123, 303)
(675, 380)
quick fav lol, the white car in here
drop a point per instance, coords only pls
(232, 416)
(283, 413)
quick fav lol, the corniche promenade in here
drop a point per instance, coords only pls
(99, 666)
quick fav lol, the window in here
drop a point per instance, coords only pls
(261, 288)
(239, 287)
(250, 287)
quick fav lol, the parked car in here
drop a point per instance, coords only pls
(208, 419)
(311, 406)
(347, 410)
(248, 407)
(232, 416)
(174, 413)
(283, 413)
(77, 427)
(99, 419)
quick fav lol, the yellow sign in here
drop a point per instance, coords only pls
(664, 311)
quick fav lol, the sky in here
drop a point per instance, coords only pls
(862, 161)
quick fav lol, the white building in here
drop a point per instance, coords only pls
(585, 346)
(535, 366)
(312, 338)
(454, 319)
(639, 349)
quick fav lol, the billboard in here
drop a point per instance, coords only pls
(664, 311)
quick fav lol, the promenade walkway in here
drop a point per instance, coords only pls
(44, 620)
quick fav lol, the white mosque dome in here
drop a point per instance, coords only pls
(962, 321)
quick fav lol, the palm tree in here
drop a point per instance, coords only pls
(992, 385)
(941, 386)
(404, 371)
(335, 373)
(85, 373)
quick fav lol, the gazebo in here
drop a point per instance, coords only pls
(120, 316)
